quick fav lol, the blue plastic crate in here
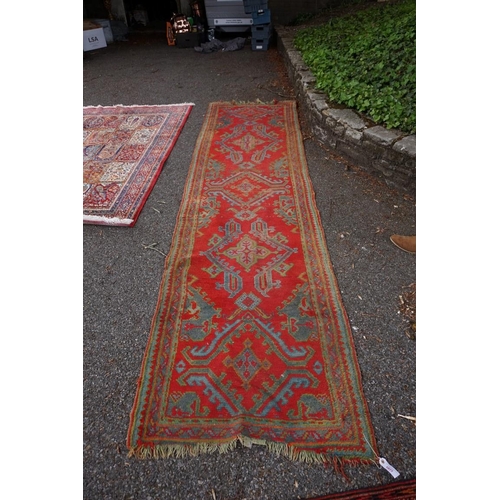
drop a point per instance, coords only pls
(262, 31)
(260, 44)
(254, 5)
(263, 17)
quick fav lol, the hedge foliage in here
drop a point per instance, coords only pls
(367, 61)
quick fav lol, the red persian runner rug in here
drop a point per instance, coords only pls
(124, 148)
(250, 342)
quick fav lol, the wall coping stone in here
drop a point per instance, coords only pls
(374, 148)
(346, 117)
(408, 144)
(382, 136)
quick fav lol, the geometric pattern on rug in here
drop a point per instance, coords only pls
(250, 342)
(124, 149)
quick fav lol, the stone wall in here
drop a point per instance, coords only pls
(387, 153)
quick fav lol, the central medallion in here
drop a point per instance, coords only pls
(247, 189)
(261, 243)
(246, 364)
(247, 252)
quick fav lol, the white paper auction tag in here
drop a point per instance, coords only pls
(383, 462)
(388, 467)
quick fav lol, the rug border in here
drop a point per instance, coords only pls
(102, 220)
(334, 292)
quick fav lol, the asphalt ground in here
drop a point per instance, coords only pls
(121, 279)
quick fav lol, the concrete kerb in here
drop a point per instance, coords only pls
(387, 153)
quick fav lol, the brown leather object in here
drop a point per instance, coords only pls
(406, 243)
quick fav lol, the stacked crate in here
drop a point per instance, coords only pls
(261, 25)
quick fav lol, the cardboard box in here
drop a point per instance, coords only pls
(93, 39)
(88, 24)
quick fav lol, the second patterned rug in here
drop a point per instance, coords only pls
(124, 149)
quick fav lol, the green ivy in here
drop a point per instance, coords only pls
(367, 61)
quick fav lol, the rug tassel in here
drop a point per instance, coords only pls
(338, 465)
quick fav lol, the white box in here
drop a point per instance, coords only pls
(94, 39)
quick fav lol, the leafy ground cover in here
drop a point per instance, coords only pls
(366, 60)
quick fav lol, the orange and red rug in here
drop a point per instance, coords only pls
(250, 342)
(398, 490)
(124, 149)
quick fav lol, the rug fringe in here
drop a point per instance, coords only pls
(257, 102)
(179, 450)
(110, 221)
(279, 449)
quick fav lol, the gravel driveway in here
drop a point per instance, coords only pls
(121, 281)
